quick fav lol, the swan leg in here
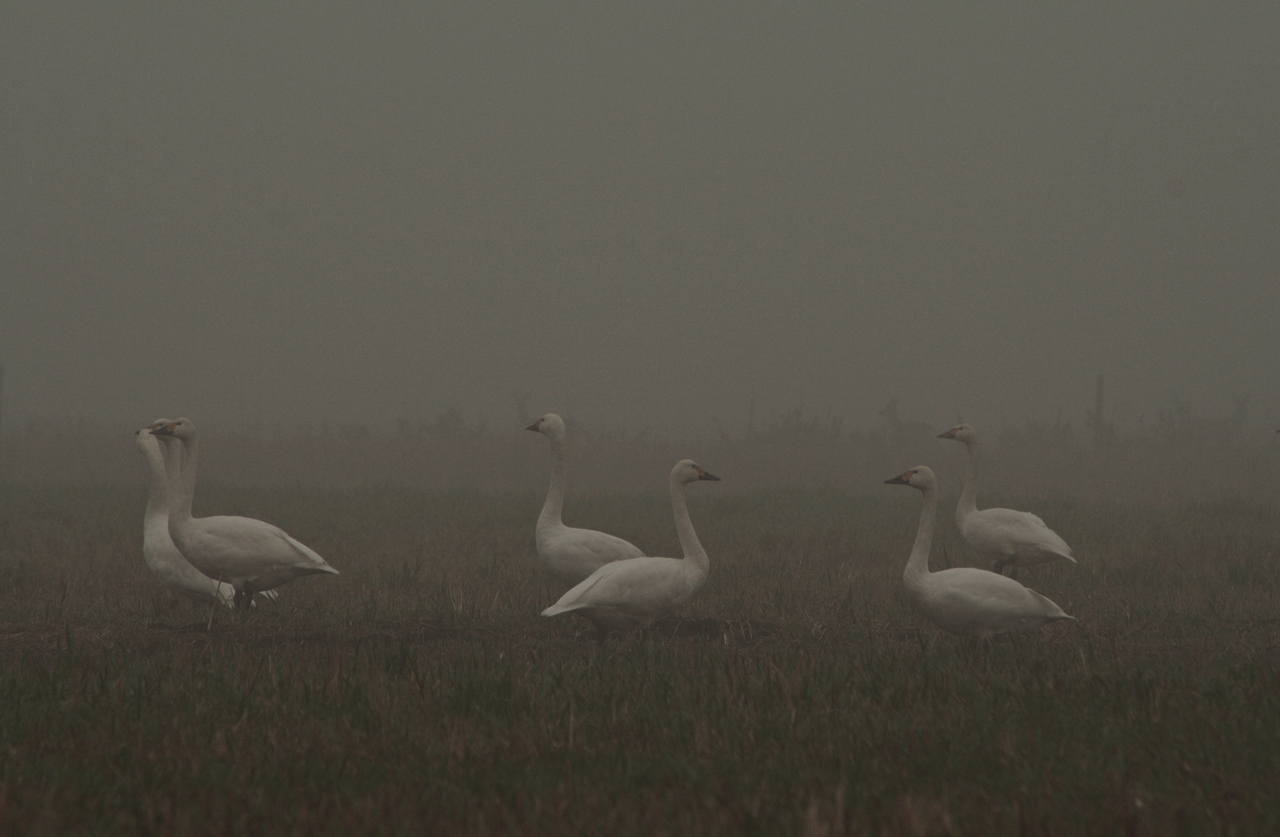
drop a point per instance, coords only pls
(244, 599)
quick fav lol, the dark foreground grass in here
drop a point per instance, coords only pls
(419, 693)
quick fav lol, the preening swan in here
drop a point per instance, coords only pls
(570, 554)
(248, 554)
(633, 592)
(965, 600)
(1015, 538)
(158, 550)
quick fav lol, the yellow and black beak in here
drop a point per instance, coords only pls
(167, 430)
(534, 427)
(950, 434)
(703, 475)
(904, 479)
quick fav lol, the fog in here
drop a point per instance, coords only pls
(293, 215)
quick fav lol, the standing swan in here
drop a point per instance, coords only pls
(633, 592)
(158, 550)
(1011, 537)
(570, 554)
(966, 600)
(248, 554)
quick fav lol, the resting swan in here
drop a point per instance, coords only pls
(158, 550)
(1020, 539)
(570, 554)
(248, 554)
(965, 600)
(634, 592)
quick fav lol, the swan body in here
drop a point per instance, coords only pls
(250, 555)
(162, 557)
(1012, 538)
(570, 554)
(965, 600)
(633, 592)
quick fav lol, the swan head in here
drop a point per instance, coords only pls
(144, 437)
(687, 471)
(961, 433)
(920, 477)
(549, 425)
(183, 428)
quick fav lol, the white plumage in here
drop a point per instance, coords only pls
(248, 554)
(162, 557)
(632, 593)
(966, 600)
(1011, 538)
(570, 554)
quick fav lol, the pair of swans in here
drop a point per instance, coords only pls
(162, 557)
(965, 600)
(238, 556)
(615, 585)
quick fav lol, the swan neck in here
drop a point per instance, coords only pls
(554, 505)
(158, 484)
(918, 565)
(689, 543)
(969, 494)
(180, 504)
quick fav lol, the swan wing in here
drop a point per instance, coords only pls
(250, 541)
(637, 584)
(972, 601)
(604, 546)
(1008, 532)
(572, 555)
(586, 545)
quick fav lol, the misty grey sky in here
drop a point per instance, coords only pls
(253, 212)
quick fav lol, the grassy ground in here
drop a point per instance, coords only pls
(420, 692)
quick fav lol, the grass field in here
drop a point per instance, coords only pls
(420, 692)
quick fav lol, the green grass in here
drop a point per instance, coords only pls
(419, 692)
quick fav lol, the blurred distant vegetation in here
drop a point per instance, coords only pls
(1178, 455)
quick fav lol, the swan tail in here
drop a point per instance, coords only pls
(320, 565)
(1044, 552)
(1050, 606)
(557, 609)
(1066, 555)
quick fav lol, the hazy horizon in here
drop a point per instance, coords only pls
(640, 217)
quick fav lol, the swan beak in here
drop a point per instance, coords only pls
(950, 434)
(167, 430)
(703, 475)
(904, 479)
(534, 427)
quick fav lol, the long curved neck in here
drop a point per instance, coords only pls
(158, 485)
(554, 505)
(918, 565)
(172, 450)
(180, 505)
(969, 494)
(689, 543)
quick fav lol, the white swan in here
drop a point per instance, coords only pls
(570, 554)
(1020, 539)
(966, 600)
(158, 550)
(633, 592)
(248, 554)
